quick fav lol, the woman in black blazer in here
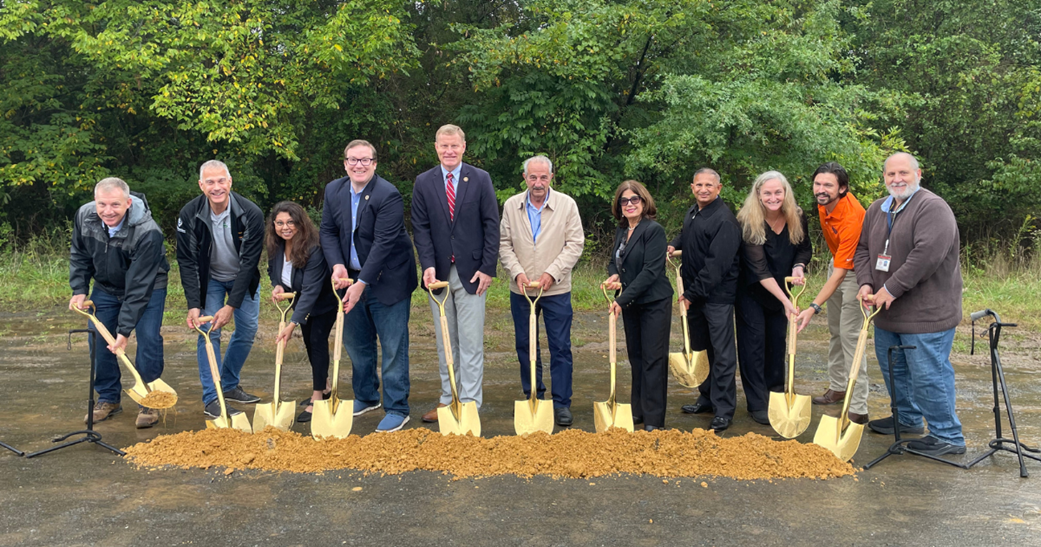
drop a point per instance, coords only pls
(638, 264)
(296, 264)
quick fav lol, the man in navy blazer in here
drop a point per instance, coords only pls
(455, 221)
(363, 237)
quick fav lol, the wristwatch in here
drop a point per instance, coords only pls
(816, 308)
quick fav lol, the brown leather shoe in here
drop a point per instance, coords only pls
(431, 417)
(104, 410)
(147, 418)
(830, 397)
(861, 419)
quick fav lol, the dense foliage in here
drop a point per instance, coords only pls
(608, 89)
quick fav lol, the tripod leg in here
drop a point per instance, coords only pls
(11, 448)
(1011, 416)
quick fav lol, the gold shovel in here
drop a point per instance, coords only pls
(140, 392)
(238, 421)
(790, 413)
(532, 414)
(611, 413)
(277, 413)
(690, 368)
(830, 434)
(332, 417)
(458, 418)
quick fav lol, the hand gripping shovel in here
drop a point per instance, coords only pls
(277, 413)
(689, 368)
(141, 392)
(830, 434)
(238, 421)
(610, 413)
(532, 415)
(332, 417)
(458, 418)
(790, 413)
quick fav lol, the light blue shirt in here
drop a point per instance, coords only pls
(455, 176)
(112, 230)
(355, 263)
(535, 215)
(887, 206)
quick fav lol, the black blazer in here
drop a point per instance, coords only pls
(312, 285)
(388, 262)
(711, 243)
(473, 237)
(643, 264)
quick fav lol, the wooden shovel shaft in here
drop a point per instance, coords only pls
(612, 322)
(854, 369)
(103, 331)
(280, 346)
(683, 309)
(532, 336)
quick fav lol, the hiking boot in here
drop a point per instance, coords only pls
(238, 396)
(147, 418)
(212, 410)
(885, 427)
(932, 446)
(104, 410)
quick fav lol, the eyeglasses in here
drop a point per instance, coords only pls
(364, 162)
(538, 178)
(635, 200)
(280, 224)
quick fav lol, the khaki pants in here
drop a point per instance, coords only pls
(844, 322)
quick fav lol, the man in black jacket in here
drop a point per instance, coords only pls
(116, 242)
(363, 237)
(220, 235)
(710, 240)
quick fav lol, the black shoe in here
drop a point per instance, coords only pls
(212, 410)
(637, 420)
(697, 408)
(885, 427)
(304, 416)
(719, 423)
(760, 417)
(563, 416)
(307, 401)
(934, 447)
(238, 396)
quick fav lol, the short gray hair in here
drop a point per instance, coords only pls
(910, 157)
(538, 159)
(110, 183)
(214, 163)
(703, 170)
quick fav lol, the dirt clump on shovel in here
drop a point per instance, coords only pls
(569, 454)
(158, 399)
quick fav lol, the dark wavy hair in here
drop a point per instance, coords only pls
(306, 234)
(840, 173)
(649, 210)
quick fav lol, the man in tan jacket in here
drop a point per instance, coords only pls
(541, 239)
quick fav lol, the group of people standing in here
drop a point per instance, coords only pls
(730, 265)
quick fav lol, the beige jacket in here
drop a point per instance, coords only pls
(559, 246)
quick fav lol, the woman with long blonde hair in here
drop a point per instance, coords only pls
(776, 245)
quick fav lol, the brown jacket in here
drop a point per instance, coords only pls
(924, 275)
(560, 241)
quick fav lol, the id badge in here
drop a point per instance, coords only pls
(882, 264)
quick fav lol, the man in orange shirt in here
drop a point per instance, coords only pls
(842, 217)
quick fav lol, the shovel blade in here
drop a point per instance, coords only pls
(468, 421)
(689, 370)
(263, 416)
(238, 421)
(789, 421)
(605, 417)
(843, 445)
(279, 416)
(328, 424)
(525, 420)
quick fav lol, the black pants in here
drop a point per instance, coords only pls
(647, 344)
(712, 328)
(761, 336)
(316, 340)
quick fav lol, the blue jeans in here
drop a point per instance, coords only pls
(149, 357)
(239, 345)
(557, 313)
(923, 381)
(368, 321)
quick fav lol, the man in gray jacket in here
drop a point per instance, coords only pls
(116, 242)
(907, 264)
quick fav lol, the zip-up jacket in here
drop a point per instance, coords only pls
(710, 240)
(195, 236)
(129, 265)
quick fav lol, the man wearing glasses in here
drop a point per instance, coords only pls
(220, 235)
(364, 239)
(541, 239)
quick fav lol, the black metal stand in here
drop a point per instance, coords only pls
(89, 435)
(998, 378)
(11, 448)
(898, 448)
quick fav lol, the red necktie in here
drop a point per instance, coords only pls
(451, 197)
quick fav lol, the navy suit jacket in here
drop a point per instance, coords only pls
(388, 263)
(473, 237)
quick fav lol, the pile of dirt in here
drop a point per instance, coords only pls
(571, 454)
(158, 399)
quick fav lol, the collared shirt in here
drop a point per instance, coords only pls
(355, 263)
(455, 175)
(887, 206)
(535, 215)
(113, 230)
(841, 228)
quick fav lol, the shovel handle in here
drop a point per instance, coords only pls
(438, 285)
(204, 319)
(677, 253)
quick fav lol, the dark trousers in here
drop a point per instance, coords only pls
(647, 343)
(557, 313)
(316, 339)
(761, 334)
(149, 357)
(712, 328)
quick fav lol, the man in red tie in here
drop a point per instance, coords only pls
(455, 222)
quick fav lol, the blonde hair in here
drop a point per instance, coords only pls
(752, 216)
(449, 130)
